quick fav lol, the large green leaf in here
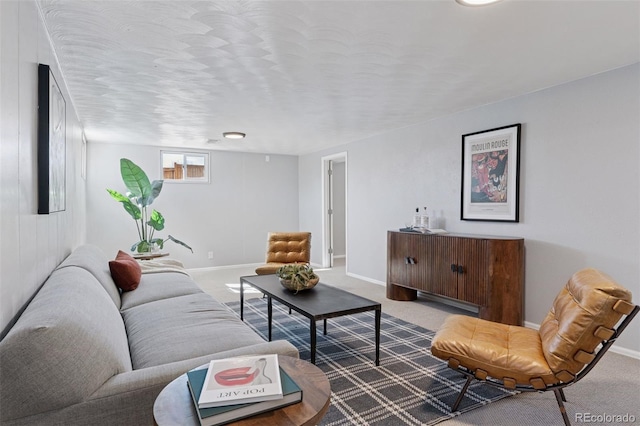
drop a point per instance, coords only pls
(179, 242)
(156, 221)
(130, 207)
(136, 181)
(156, 187)
(117, 196)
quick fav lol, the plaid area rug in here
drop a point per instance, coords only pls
(410, 387)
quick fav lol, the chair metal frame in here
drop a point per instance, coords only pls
(557, 388)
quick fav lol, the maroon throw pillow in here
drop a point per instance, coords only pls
(125, 271)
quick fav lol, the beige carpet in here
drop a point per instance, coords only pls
(612, 388)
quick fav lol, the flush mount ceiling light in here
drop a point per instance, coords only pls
(233, 135)
(476, 2)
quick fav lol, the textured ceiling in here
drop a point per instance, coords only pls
(300, 76)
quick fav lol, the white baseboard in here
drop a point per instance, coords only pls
(625, 352)
(219, 268)
(367, 279)
(451, 302)
(244, 265)
(615, 348)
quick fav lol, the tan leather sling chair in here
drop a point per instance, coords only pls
(576, 333)
(284, 248)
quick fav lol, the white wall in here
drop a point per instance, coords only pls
(231, 216)
(31, 245)
(339, 209)
(579, 188)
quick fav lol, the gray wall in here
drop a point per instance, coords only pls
(246, 198)
(579, 188)
(31, 245)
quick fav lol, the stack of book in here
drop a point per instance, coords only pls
(235, 388)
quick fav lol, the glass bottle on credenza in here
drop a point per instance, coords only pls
(424, 219)
(417, 219)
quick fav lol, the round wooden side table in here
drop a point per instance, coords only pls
(148, 256)
(174, 405)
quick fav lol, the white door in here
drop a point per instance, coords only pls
(334, 207)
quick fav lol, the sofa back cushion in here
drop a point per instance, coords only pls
(66, 344)
(94, 260)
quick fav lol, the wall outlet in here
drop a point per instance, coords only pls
(210, 255)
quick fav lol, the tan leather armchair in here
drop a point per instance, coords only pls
(584, 316)
(284, 248)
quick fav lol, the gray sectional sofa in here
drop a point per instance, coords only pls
(82, 353)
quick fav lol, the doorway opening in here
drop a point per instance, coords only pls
(334, 209)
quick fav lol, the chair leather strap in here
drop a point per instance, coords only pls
(583, 357)
(538, 383)
(509, 383)
(481, 374)
(604, 333)
(623, 307)
(564, 376)
(453, 363)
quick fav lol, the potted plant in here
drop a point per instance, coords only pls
(141, 194)
(297, 276)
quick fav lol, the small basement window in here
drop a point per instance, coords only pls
(185, 166)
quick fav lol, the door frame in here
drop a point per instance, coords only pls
(327, 194)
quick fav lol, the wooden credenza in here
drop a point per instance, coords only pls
(480, 270)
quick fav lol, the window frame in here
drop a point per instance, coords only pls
(186, 153)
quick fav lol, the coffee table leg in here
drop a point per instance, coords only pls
(325, 326)
(313, 340)
(241, 300)
(269, 314)
(378, 315)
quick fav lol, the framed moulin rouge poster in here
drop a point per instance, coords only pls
(490, 174)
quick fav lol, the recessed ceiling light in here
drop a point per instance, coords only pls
(233, 135)
(476, 2)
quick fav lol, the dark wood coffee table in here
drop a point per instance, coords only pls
(319, 303)
(174, 405)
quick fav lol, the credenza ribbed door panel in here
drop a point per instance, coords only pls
(440, 254)
(472, 278)
(417, 256)
(397, 270)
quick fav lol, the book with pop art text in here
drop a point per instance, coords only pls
(241, 380)
(214, 416)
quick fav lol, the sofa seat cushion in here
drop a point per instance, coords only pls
(183, 327)
(154, 287)
(493, 349)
